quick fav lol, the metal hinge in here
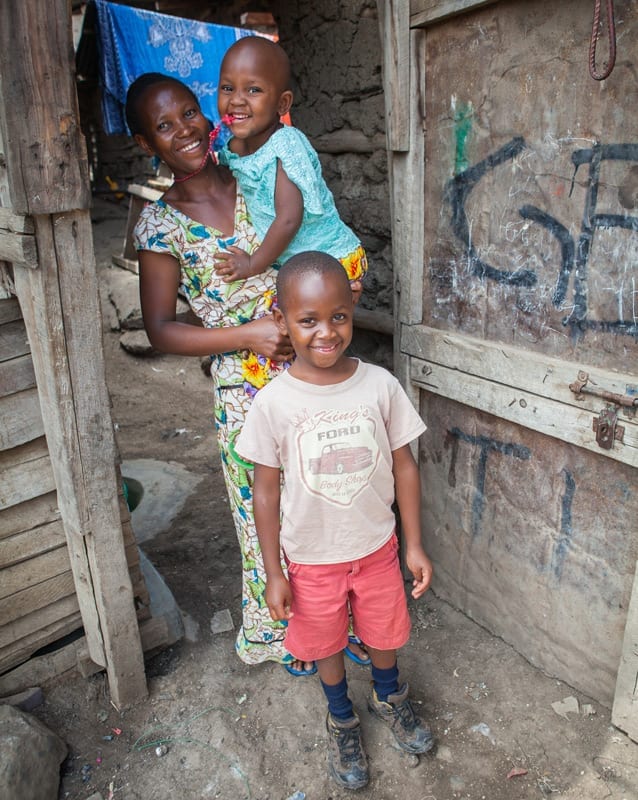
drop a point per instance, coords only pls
(607, 429)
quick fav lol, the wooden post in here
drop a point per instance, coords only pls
(48, 179)
(394, 25)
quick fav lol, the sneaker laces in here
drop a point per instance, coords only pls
(348, 743)
(406, 715)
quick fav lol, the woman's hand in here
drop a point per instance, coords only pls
(235, 265)
(264, 337)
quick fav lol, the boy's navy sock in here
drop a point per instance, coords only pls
(339, 704)
(386, 681)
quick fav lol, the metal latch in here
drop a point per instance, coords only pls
(607, 429)
(606, 425)
(580, 387)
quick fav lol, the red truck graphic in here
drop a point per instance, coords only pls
(338, 458)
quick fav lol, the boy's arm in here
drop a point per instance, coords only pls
(408, 495)
(266, 492)
(238, 264)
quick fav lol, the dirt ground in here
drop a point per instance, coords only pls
(231, 731)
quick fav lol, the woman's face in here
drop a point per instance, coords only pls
(174, 127)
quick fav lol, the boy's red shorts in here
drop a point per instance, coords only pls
(320, 593)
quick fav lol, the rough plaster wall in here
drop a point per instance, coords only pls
(532, 240)
(335, 52)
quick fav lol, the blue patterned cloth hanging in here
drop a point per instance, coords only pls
(132, 41)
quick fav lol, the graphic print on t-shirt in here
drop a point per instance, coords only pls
(337, 452)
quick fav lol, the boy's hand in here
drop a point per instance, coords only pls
(234, 265)
(421, 568)
(279, 597)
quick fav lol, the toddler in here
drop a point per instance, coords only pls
(276, 168)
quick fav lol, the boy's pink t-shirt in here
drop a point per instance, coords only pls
(335, 445)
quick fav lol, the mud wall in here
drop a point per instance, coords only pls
(335, 52)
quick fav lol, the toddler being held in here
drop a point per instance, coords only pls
(277, 169)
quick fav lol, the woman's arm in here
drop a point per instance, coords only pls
(159, 281)
(238, 264)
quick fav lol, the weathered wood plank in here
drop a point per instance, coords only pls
(27, 544)
(18, 248)
(395, 47)
(15, 223)
(13, 340)
(23, 603)
(22, 482)
(16, 375)
(33, 571)
(28, 515)
(25, 626)
(408, 213)
(7, 289)
(539, 374)
(48, 173)
(36, 671)
(31, 451)
(9, 309)
(20, 419)
(624, 714)
(424, 12)
(348, 141)
(515, 395)
(17, 653)
(47, 167)
(76, 412)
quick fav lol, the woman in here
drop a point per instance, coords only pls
(178, 238)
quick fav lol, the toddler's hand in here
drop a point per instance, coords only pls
(234, 265)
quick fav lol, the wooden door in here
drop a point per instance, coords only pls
(515, 186)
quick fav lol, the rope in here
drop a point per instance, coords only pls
(611, 35)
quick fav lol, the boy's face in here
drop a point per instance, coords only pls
(318, 318)
(252, 90)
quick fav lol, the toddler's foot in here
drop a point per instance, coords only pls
(412, 735)
(347, 760)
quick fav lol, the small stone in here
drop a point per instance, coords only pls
(410, 760)
(161, 750)
(221, 621)
(137, 344)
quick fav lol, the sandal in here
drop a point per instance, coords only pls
(352, 655)
(300, 672)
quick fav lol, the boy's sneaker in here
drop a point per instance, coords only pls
(346, 758)
(412, 735)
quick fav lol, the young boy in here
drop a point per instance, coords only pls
(340, 429)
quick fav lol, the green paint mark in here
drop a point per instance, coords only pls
(463, 116)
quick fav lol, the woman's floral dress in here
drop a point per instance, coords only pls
(237, 377)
